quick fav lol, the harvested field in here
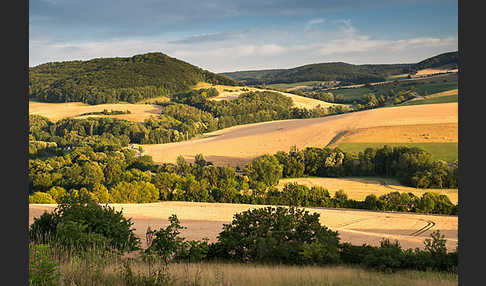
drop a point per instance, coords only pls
(238, 145)
(359, 188)
(354, 226)
(434, 71)
(227, 92)
(58, 111)
(438, 132)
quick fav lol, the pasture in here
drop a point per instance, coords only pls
(354, 226)
(238, 145)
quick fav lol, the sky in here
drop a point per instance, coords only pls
(224, 35)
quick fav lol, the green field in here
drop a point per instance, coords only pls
(442, 99)
(429, 85)
(440, 151)
(284, 86)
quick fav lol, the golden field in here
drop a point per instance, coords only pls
(414, 133)
(359, 188)
(58, 111)
(227, 92)
(354, 226)
(238, 145)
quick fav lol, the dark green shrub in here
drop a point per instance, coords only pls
(276, 235)
(75, 215)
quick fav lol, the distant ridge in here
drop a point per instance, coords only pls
(344, 72)
(109, 80)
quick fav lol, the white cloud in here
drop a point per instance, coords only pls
(255, 49)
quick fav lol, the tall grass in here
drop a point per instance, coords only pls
(99, 267)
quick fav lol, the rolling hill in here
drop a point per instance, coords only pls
(110, 80)
(344, 72)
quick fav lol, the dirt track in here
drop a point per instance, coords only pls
(354, 226)
(240, 144)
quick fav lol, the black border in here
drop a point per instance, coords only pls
(16, 23)
(14, 188)
(471, 194)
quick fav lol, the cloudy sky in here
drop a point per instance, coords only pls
(224, 35)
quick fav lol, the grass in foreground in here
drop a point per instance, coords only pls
(447, 151)
(235, 274)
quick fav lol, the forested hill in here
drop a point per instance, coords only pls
(449, 60)
(344, 72)
(107, 80)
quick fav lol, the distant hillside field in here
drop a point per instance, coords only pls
(238, 145)
(57, 111)
(109, 80)
(359, 188)
(232, 92)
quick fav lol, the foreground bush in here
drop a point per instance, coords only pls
(80, 223)
(284, 235)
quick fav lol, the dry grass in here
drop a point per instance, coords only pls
(227, 92)
(238, 274)
(58, 111)
(238, 145)
(416, 133)
(359, 188)
(354, 226)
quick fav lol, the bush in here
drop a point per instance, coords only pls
(76, 215)
(41, 198)
(43, 269)
(282, 235)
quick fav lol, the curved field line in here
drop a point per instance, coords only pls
(428, 226)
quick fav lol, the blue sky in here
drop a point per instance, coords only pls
(223, 35)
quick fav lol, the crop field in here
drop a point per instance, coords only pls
(359, 188)
(227, 92)
(238, 145)
(354, 226)
(440, 151)
(434, 71)
(413, 133)
(57, 111)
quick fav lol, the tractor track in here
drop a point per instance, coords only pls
(429, 225)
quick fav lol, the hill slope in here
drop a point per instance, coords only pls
(451, 60)
(108, 80)
(347, 73)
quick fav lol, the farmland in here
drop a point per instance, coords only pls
(57, 111)
(354, 226)
(232, 92)
(236, 146)
(359, 188)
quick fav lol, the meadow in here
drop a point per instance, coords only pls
(447, 151)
